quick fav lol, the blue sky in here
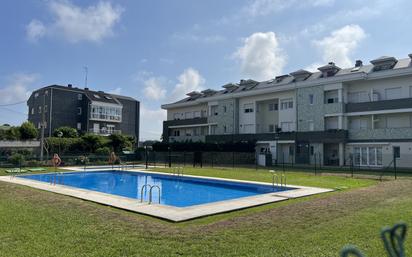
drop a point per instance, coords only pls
(156, 51)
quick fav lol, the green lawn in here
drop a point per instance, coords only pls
(38, 223)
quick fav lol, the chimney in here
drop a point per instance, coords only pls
(358, 63)
(69, 85)
(86, 88)
(331, 63)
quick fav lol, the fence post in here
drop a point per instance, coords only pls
(147, 157)
(315, 165)
(394, 164)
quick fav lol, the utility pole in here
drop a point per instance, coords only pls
(43, 117)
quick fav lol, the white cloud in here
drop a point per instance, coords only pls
(35, 30)
(75, 24)
(16, 89)
(340, 44)
(261, 57)
(189, 80)
(152, 123)
(154, 89)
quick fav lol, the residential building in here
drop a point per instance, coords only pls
(83, 109)
(336, 116)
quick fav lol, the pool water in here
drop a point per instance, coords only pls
(175, 191)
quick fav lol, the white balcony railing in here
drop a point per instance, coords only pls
(105, 132)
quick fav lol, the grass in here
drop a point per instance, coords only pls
(38, 223)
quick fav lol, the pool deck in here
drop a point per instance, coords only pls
(175, 214)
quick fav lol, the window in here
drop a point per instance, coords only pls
(273, 107)
(331, 97)
(39, 109)
(248, 108)
(359, 123)
(79, 110)
(39, 125)
(213, 129)
(312, 150)
(393, 93)
(311, 125)
(189, 132)
(368, 156)
(36, 95)
(287, 126)
(248, 128)
(176, 133)
(79, 126)
(176, 116)
(224, 129)
(79, 97)
(106, 113)
(196, 114)
(271, 128)
(331, 123)
(196, 131)
(286, 104)
(213, 110)
(311, 98)
(358, 97)
(188, 115)
(396, 151)
(224, 108)
(110, 129)
(32, 111)
(97, 96)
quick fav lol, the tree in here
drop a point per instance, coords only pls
(91, 142)
(28, 131)
(118, 142)
(68, 132)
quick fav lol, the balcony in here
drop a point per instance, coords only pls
(185, 122)
(403, 103)
(186, 138)
(105, 132)
(380, 134)
(334, 108)
(328, 136)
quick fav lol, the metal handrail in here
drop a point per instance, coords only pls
(178, 171)
(141, 191)
(151, 193)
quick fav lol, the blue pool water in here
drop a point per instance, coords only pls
(175, 191)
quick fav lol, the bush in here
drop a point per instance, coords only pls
(118, 142)
(103, 151)
(73, 145)
(28, 131)
(16, 159)
(67, 132)
(91, 142)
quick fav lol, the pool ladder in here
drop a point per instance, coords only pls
(56, 179)
(178, 171)
(278, 180)
(150, 192)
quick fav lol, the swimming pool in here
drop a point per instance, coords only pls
(177, 191)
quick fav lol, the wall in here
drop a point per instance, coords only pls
(224, 118)
(250, 118)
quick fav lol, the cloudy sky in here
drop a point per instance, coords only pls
(156, 51)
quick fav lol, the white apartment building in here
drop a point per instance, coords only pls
(360, 115)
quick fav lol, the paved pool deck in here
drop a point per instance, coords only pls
(171, 213)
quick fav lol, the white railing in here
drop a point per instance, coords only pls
(105, 131)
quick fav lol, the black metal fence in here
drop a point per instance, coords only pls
(209, 159)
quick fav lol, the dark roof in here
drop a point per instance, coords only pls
(305, 75)
(98, 96)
